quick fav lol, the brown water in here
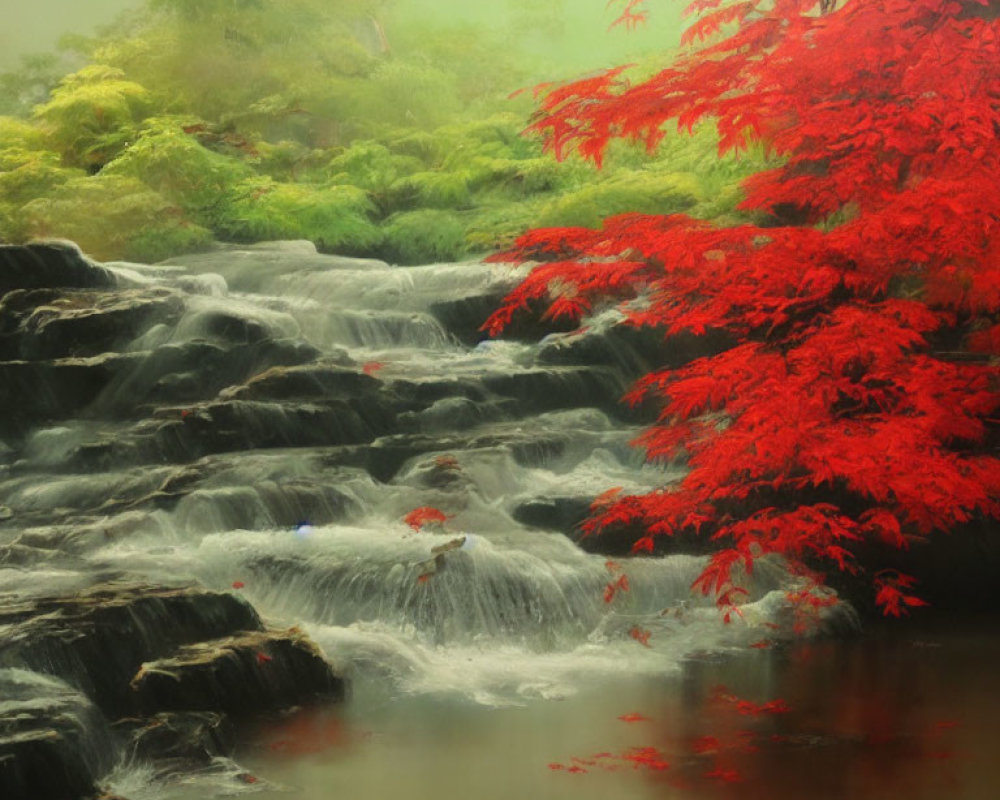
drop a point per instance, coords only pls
(902, 712)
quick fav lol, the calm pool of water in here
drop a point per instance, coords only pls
(904, 711)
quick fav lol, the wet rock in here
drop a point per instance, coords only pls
(250, 425)
(97, 639)
(54, 744)
(49, 265)
(195, 371)
(243, 675)
(562, 514)
(552, 388)
(41, 325)
(633, 350)
(36, 392)
(312, 380)
(463, 317)
(178, 742)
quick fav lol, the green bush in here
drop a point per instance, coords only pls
(175, 165)
(114, 217)
(371, 166)
(335, 218)
(93, 115)
(495, 226)
(646, 192)
(431, 190)
(423, 237)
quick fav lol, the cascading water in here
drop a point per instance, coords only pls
(331, 401)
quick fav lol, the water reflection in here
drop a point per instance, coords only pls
(895, 714)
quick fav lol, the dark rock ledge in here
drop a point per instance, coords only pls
(129, 669)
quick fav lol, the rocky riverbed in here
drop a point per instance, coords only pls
(204, 467)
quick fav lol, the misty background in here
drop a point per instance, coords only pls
(580, 40)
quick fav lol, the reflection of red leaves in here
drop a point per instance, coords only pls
(424, 578)
(371, 367)
(264, 658)
(948, 723)
(305, 733)
(749, 708)
(724, 775)
(705, 744)
(641, 635)
(238, 584)
(648, 757)
(419, 517)
(576, 769)
(720, 694)
(633, 717)
(763, 644)
(246, 777)
(446, 462)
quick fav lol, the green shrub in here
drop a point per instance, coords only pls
(423, 237)
(174, 164)
(335, 218)
(93, 115)
(644, 192)
(114, 217)
(431, 190)
(371, 166)
(495, 226)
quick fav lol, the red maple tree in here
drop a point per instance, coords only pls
(860, 399)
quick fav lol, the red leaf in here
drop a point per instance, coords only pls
(423, 515)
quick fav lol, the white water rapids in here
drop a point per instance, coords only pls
(515, 617)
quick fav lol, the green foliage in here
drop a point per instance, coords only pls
(335, 218)
(371, 166)
(174, 164)
(351, 124)
(93, 114)
(432, 190)
(406, 92)
(423, 236)
(644, 192)
(113, 216)
(27, 171)
(495, 226)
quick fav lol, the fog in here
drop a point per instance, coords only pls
(29, 27)
(575, 32)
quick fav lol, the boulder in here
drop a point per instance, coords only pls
(54, 744)
(243, 675)
(98, 638)
(49, 265)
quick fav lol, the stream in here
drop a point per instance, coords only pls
(257, 421)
